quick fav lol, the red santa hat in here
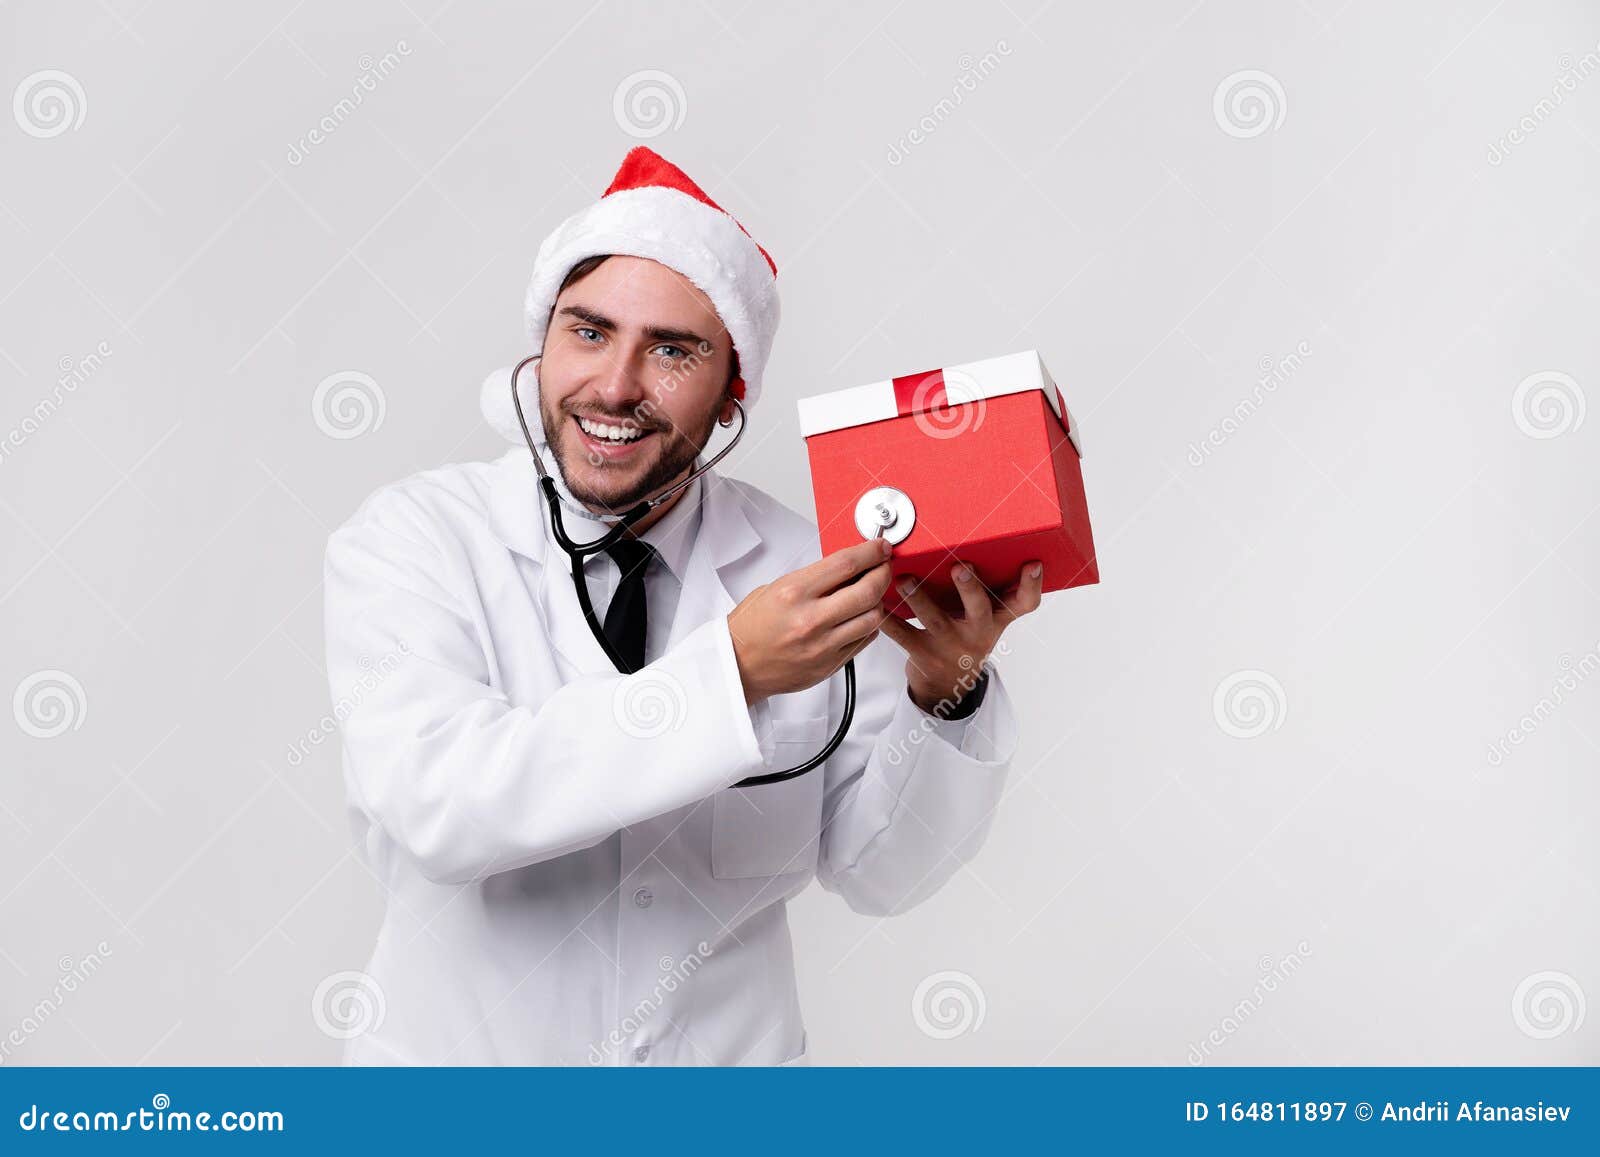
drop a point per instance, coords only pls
(652, 209)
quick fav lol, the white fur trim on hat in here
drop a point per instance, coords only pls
(494, 400)
(697, 240)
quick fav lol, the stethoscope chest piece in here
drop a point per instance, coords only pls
(885, 512)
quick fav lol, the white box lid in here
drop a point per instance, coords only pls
(948, 386)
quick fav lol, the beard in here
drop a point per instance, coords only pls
(610, 488)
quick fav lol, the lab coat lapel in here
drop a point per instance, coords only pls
(725, 536)
(519, 519)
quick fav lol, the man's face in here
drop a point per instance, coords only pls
(633, 346)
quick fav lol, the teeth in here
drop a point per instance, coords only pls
(610, 433)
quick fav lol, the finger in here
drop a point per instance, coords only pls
(976, 607)
(858, 597)
(854, 630)
(902, 632)
(855, 649)
(1025, 596)
(928, 612)
(838, 568)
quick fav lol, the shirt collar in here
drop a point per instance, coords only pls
(672, 535)
(518, 518)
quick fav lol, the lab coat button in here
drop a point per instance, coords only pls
(641, 1054)
(643, 898)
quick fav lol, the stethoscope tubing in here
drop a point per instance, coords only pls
(578, 551)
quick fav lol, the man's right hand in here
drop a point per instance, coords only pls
(797, 630)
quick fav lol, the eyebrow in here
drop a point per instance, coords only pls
(654, 332)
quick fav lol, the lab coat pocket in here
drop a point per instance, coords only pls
(773, 830)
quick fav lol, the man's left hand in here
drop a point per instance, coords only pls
(945, 655)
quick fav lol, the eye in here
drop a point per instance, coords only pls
(670, 351)
(584, 332)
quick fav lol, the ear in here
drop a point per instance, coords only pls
(725, 414)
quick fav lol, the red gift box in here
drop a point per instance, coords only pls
(977, 462)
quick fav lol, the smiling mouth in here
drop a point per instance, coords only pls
(611, 439)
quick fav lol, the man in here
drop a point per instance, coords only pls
(571, 876)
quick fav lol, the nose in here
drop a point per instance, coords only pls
(619, 386)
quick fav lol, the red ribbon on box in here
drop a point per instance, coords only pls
(925, 391)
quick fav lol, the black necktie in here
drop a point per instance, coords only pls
(625, 616)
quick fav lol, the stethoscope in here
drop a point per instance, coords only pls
(578, 551)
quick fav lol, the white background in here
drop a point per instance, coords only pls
(1387, 536)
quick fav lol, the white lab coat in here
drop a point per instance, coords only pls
(569, 877)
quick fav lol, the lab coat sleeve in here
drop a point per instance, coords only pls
(909, 798)
(468, 783)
